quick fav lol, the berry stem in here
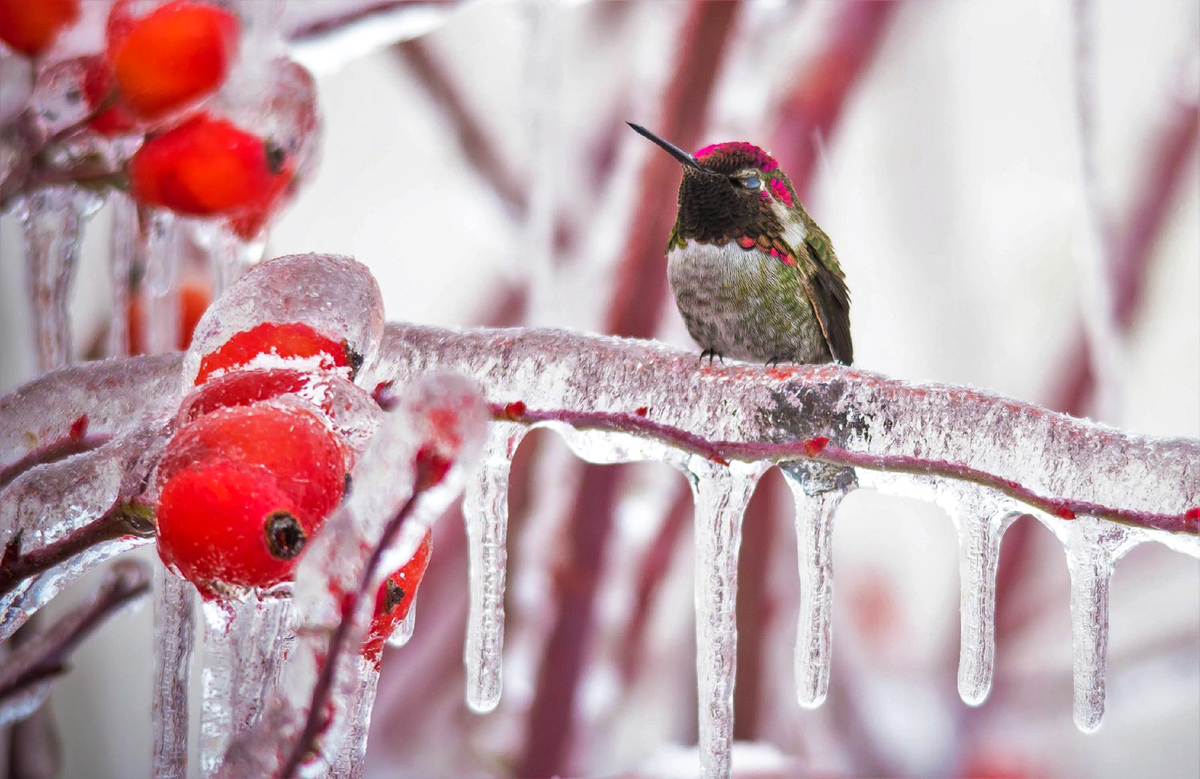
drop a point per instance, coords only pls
(123, 519)
(316, 722)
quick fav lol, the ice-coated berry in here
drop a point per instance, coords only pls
(293, 445)
(208, 167)
(288, 340)
(395, 598)
(31, 26)
(242, 388)
(227, 523)
(172, 56)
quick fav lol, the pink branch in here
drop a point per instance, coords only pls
(815, 104)
(823, 450)
(124, 519)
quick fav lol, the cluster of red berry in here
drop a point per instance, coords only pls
(161, 63)
(255, 469)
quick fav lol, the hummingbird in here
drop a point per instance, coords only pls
(754, 277)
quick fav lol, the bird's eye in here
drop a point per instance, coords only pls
(750, 182)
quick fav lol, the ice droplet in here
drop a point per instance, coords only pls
(348, 764)
(817, 489)
(53, 220)
(174, 617)
(485, 509)
(404, 631)
(245, 641)
(721, 495)
(121, 257)
(981, 517)
(161, 250)
(1093, 548)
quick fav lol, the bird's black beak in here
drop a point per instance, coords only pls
(686, 159)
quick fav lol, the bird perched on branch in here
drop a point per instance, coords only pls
(754, 277)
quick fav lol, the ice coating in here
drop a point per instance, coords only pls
(885, 425)
(888, 432)
(125, 244)
(42, 656)
(52, 220)
(174, 617)
(48, 505)
(441, 419)
(981, 520)
(1093, 548)
(245, 642)
(111, 397)
(162, 250)
(404, 631)
(485, 509)
(335, 295)
(349, 762)
(817, 490)
(721, 494)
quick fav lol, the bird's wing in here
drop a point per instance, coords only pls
(827, 292)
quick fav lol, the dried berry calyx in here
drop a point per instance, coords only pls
(287, 341)
(285, 535)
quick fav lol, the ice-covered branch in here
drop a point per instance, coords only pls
(27, 676)
(843, 416)
(126, 519)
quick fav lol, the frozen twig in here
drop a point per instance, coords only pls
(43, 657)
(123, 520)
(470, 131)
(820, 449)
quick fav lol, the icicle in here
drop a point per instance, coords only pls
(981, 517)
(120, 268)
(721, 494)
(244, 644)
(53, 220)
(229, 256)
(404, 631)
(818, 490)
(161, 253)
(1093, 548)
(174, 616)
(485, 508)
(350, 758)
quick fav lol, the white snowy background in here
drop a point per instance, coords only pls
(951, 192)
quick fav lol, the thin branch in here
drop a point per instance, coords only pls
(823, 450)
(123, 519)
(319, 706)
(44, 656)
(471, 132)
(815, 104)
(59, 450)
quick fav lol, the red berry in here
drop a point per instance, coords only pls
(291, 444)
(172, 56)
(395, 598)
(288, 340)
(31, 26)
(206, 167)
(241, 388)
(223, 522)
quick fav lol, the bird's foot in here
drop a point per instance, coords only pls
(771, 363)
(712, 354)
